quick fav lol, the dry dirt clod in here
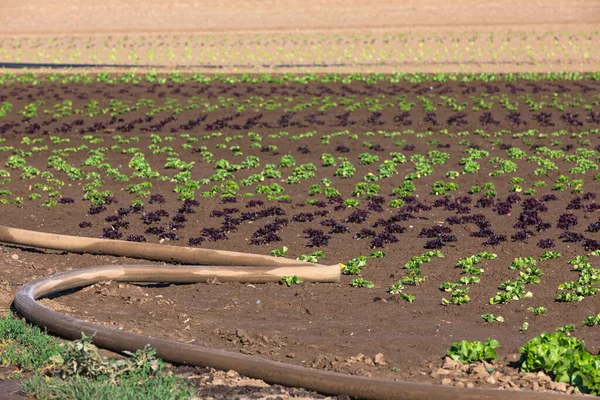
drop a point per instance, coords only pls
(449, 363)
(558, 386)
(543, 378)
(479, 371)
(243, 336)
(439, 372)
(491, 380)
(232, 374)
(379, 359)
(446, 382)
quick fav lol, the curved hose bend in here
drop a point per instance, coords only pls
(262, 269)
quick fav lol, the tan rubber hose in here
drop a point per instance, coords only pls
(158, 252)
(263, 269)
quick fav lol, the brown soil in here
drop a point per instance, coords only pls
(334, 327)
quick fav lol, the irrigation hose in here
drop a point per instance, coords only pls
(226, 267)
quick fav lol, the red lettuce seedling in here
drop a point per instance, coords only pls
(195, 241)
(317, 238)
(365, 233)
(566, 221)
(357, 216)
(96, 209)
(111, 233)
(136, 238)
(546, 243)
(254, 203)
(157, 198)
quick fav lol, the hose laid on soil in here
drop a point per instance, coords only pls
(232, 267)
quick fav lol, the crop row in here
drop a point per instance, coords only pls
(256, 50)
(31, 78)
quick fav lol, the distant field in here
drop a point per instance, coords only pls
(278, 36)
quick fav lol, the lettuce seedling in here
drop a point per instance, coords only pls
(396, 288)
(354, 266)
(569, 297)
(313, 257)
(521, 263)
(549, 255)
(491, 318)
(449, 286)
(413, 279)
(291, 280)
(360, 282)
(592, 320)
(408, 297)
(566, 329)
(468, 352)
(279, 252)
(537, 310)
(459, 296)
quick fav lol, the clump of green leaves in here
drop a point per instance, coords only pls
(492, 318)
(537, 310)
(354, 266)
(291, 280)
(592, 320)
(76, 370)
(279, 252)
(345, 170)
(515, 290)
(408, 297)
(468, 264)
(469, 352)
(583, 286)
(566, 329)
(313, 257)
(522, 263)
(569, 297)
(22, 345)
(360, 282)
(459, 296)
(413, 277)
(564, 358)
(512, 290)
(549, 255)
(396, 288)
